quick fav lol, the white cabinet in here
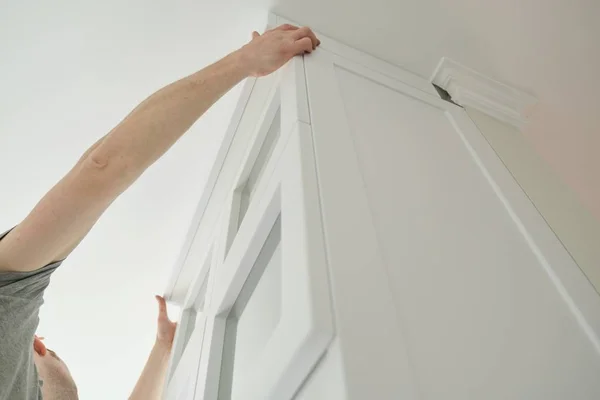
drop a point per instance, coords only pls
(360, 239)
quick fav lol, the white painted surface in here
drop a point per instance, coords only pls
(265, 140)
(487, 303)
(470, 88)
(306, 326)
(185, 329)
(293, 94)
(462, 275)
(326, 382)
(359, 287)
(430, 240)
(192, 320)
(182, 385)
(576, 228)
(258, 320)
(508, 41)
(279, 347)
(234, 151)
(207, 379)
(266, 149)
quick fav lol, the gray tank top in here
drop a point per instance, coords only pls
(21, 296)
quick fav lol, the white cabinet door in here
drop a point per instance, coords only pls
(447, 282)
(185, 357)
(182, 383)
(269, 309)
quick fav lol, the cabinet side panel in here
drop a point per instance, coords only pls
(481, 315)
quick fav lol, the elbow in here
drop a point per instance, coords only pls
(104, 175)
(97, 161)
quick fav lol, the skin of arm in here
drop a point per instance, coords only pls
(151, 382)
(70, 209)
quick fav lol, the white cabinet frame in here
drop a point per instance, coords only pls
(288, 190)
(186, 352)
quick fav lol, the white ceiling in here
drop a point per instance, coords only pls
(71, 70)
(546, 47)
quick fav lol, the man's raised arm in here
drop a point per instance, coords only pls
(69, 210)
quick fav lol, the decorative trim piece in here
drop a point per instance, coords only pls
(470, 88)
(364, 59)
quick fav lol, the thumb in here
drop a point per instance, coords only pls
(162, 304)
(255, 34)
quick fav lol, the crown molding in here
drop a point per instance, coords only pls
(470, 88)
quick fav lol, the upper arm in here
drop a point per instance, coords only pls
(60, 220)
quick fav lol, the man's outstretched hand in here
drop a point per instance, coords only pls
(165, 332)
(268, 52)
(150, 384)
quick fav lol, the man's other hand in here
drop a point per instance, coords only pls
(165, 332)
(270, 51)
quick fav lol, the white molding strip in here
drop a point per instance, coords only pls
(364, 59)
(470, 88)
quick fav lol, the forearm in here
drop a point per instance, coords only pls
(150, 384)
(158, 122)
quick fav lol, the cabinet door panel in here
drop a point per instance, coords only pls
(271, 294)
(260, 315)
(485, 300)
(182, 385)
(254, 316)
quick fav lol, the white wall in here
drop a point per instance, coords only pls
(70, 71)
(574, 225)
